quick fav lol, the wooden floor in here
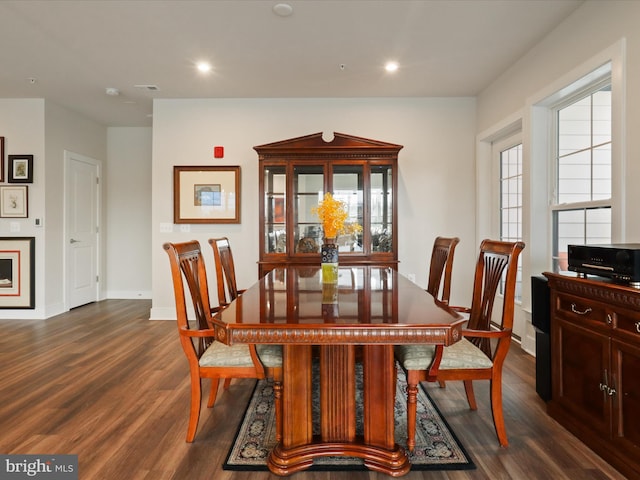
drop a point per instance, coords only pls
(107, 384)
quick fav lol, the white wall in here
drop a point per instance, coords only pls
(437, 179)
(593, 28)
(22, 126)
(128, 210)
(436, 183)
(44, 130)
(65, 130)
(596, 27)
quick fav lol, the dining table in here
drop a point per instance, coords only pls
(353, 321)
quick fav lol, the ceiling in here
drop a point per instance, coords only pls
(70, 52)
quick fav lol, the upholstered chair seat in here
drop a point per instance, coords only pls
(462, 354)
(221, 355)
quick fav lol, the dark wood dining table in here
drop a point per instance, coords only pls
(356, 320)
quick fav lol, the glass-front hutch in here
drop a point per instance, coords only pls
(295, 174)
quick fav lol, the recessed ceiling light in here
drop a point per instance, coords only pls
(113, 92)
(391, 66)
(204, 67)
(282, 9)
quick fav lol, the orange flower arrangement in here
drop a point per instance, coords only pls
(333, 215)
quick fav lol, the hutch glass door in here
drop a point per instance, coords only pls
(308, 190)
(275, 209)
(382, 208)
(348, 187)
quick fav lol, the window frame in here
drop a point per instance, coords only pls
(499, 147)
(585, 87)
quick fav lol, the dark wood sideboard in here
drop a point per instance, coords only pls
(595, 366)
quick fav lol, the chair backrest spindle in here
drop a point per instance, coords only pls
(187, 263)
(225, 270)
(441, 266)
(495, 259)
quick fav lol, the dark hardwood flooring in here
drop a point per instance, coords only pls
(107, 384)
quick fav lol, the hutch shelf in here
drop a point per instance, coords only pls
(295, 174)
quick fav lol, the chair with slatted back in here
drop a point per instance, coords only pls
(473, 357)
(440, 270)
(225, 275)
(207, 357)
(441, 267)
(225, 270)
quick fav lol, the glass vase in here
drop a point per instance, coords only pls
(329, 261)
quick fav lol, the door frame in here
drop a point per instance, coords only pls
(69, 157)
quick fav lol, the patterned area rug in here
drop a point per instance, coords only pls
(437, 448)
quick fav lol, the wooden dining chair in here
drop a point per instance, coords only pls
(440, 267)
(473, 357)
(207, 357)
(225, 271)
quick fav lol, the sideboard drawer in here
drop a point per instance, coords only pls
(582, 310)
(628, 323)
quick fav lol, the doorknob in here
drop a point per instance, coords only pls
(73, 240)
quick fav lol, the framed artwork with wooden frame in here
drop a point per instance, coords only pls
(20, 169)
(17, 272)
(203, 194)
(14, 201)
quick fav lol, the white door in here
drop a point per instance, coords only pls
(81, 229)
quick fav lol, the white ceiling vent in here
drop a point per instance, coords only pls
(151, 88)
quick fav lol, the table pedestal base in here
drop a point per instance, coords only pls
(285, 462)
(376, 447)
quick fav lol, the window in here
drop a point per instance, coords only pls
(581, 211)
(511, 202)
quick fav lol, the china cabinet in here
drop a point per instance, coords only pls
(295, 174)
(595, 366)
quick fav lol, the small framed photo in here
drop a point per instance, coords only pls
(203, 194)
(14, 201)
(17, 272)
(20, 169)
(1, 159)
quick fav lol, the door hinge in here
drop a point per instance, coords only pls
(97, 278)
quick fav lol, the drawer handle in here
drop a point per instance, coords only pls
(638, 327)
(579, 312)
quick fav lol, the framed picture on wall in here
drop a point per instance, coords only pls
(17, 272)
(14, 201)
(203, 194)
(20, 169)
